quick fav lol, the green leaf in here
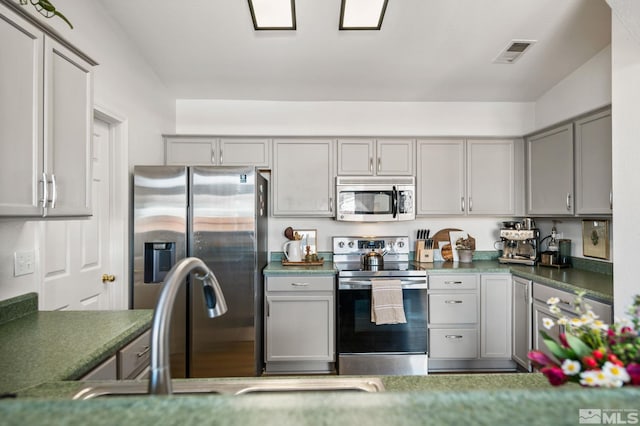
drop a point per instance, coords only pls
(578, 346)
(558, 351)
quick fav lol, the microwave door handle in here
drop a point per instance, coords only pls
(394, 202)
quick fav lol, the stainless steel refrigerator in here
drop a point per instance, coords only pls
(218, 214)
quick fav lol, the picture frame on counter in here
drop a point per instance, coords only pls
(595, 238)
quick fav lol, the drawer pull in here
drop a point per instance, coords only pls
(300, 284)
(144, 351)
(453, 282)
(452, 302)
(453, 336)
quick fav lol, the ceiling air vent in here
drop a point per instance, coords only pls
(514, 50)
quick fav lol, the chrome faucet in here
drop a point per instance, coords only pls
(160, 380)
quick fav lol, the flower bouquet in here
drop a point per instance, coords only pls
(590, 352)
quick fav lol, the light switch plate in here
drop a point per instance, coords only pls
(23, 263)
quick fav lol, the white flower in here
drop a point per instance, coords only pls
(547, 323)
(553, 301)
(593, 378)
(586, 320)
(592, 315)
(576, 322)
(563, 321)
(599, 325)
(570, 367)
(615, 372)
(555, 310)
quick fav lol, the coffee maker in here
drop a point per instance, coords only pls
(520, 242)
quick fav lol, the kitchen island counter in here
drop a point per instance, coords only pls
(42, 346)
(517, 398)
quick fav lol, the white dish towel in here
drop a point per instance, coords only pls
(386, 302)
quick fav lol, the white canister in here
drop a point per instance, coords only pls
(293, 250)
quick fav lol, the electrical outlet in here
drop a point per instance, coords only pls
(23, 263)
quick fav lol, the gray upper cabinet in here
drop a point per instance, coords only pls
(593, 164)
(466, 177)
(46, 102)
(303, 177)
(550, 172)
(209, 150)
(381, 157)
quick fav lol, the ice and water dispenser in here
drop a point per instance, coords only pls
(159, 258)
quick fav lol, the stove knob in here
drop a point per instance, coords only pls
(351, 244)
(401, 244)
(341, 244)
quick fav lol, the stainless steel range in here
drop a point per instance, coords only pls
(363, 346)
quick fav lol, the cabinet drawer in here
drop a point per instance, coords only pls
(542, 293)
(135, 356)
(453, 343)
(108, 370)
(453, 282)
(453, 308)
(300, 283)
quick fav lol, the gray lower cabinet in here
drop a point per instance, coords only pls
(541, 293)
(129, 362)
(470, 322)
(299, 324)
(521, 322)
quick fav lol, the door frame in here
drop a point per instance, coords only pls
(118, 255)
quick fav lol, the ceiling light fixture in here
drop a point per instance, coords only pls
(362, 14)
(273, 14)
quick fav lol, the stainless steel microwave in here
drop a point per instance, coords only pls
(375, 198)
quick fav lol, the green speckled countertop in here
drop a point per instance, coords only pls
(40, 346)
(597, 285)
(495, 399)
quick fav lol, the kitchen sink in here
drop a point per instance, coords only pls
(239, 386)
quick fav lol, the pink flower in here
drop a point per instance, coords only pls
(539, 359)
(555, 375)
(634, 373)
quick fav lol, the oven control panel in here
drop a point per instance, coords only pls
(362, 245)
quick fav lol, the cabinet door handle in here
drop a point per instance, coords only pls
(54, 192)
(569, 202)
(453, 336)
(300, 284)
(453, 282)
(470, 203)
(45, 190)
(379, 164)
(371, 164)
(221, 156)
(610, 200)
(462, 204)
(143, 352)
(268, 308)
(452, 302)
(213, 156)
(330, 204)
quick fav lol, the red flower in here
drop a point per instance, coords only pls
(589, 362)
(555, 375)
(598, 354)
(634, 373)
(563, 340)
(614, 360)
(539, 359)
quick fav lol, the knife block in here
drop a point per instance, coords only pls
(423, 255)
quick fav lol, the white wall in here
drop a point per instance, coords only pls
(124, 84)
(228, 117)
(585, 89)
(626, 151)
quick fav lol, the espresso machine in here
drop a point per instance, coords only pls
(520, 243)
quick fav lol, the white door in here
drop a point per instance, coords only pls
(75, 253)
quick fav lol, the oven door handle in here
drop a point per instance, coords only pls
(365, 284)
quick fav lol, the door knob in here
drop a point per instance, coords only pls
(106, 278)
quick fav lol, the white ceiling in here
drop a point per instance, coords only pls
(427, 50)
